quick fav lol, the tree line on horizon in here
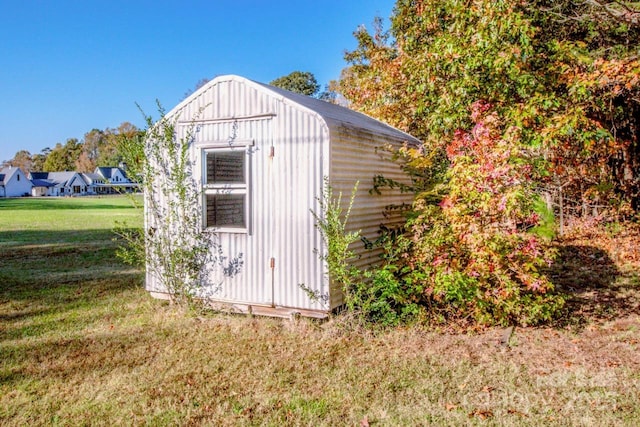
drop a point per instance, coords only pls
(102, 147)
(97, 148)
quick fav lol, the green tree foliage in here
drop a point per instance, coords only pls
(92, 143)
(565, 73)
(97, 148)
(63, 157)
(301, 82)
(109, 153)
(602, 77)
(39, 159)
(480, 249)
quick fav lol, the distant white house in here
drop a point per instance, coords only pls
(105, 180)
(14, 183)
(58, 184)
(41, 187)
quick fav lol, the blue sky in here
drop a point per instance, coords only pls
(67, 67)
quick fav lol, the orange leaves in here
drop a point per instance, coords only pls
(609, 77)
(482, 414)
(476, 243)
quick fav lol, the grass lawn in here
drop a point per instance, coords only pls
(82, 343)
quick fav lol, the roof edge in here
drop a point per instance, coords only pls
(275, 93)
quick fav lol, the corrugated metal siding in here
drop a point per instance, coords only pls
(356, 157)
(284, 189)
(252, 284)
(298, 169)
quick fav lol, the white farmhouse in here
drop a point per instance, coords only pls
(104, 180)
(14, 183)
(58, 184)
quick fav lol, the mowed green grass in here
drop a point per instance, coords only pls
(82, 343)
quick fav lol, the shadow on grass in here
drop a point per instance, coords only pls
(66, 308)
(596, 290)
(65, 203)
(53, 268)
(78, 356)
(41, 243)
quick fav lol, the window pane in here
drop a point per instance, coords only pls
(225, 167)
(225, 210)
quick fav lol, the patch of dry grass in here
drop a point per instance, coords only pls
(96, 349)
(154, 365)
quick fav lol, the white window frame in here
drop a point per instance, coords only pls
(226, 188)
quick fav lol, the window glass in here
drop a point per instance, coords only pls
(225, 167)
(225, 210)
(225, 189)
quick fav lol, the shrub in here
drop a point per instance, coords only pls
(482, 246)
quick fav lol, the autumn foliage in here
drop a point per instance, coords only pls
(526, 109)
(481, 248)
(564, 73)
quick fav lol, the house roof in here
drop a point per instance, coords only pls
(338, 115)
(42, 183)
(92, 176)
(107, 172)
(38, 175)
(333, 115)
(7, 173)
(57, 179)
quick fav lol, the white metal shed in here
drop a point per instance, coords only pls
(282, 146)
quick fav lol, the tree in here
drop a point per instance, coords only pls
(63, 157)
(603, 77)
(92, 143)
(555, 70)
(513, 100)
(39, 159)
(203, 81)
(22, 160)
(301, 82)
(330, 94)
(110, 154)
(479, 251)
(84, 164)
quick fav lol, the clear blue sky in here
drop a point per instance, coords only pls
(67, 67)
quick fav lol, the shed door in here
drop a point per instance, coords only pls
(296, 180)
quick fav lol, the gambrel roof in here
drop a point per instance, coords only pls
(334, 116)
